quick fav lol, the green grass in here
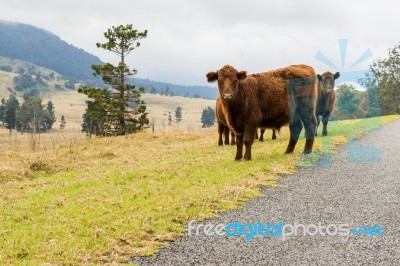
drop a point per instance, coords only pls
(106, 200)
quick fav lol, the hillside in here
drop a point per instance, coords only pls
(206, 92)
(43, 48)
(72, 104)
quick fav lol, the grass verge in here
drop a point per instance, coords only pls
(106, 200)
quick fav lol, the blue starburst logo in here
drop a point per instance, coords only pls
(347, 74)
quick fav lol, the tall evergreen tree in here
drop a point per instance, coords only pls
(120, 119)
(51, 117)
(10, 113)
(178, 114)
(96, 117)
(32, 116)
(2, 109)
(62, 122)
(169, 119)
(208, 117)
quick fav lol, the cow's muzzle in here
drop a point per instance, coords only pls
(227, 96)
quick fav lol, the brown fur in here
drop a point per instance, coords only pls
(261, 100)
(326, 98)
(222, 125)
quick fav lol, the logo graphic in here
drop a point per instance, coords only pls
(281, 230)
(347, 74)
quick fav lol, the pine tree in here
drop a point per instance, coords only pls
(119, 118)
(51, 117)
(95, 119)
(178, 115)
(169, 119)
(2, 108)
(32, 116)
(62, 122)
(208, 117)
(10, 113)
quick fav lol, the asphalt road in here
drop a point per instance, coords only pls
(361, 187)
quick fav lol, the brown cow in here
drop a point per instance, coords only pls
(262, 100)
(222, 125)
(326, 98)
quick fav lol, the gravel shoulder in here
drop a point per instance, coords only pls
(361, 187)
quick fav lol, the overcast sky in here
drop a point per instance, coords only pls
(188, 38)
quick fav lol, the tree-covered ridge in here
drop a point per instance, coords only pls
(164, 88)
(43, 48)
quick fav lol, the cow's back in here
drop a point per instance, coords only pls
(272, 93)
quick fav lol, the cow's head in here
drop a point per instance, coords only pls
(327, 80)
(228, 81)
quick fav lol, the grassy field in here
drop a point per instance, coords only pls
(72, 104)
(105, 200)
(192, 108)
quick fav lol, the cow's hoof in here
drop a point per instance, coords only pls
(307, 152)
(238, 158)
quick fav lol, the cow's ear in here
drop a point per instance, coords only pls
(319, 77)
(337, 75)
(212, 76)
(241, 75)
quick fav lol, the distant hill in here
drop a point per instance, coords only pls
(181, 90)
(43, 48)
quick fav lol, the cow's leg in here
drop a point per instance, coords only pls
(273, 134)
(256, 135)
(226, 135)
(220, 131)
(262, 131)
(248, 141)
(316, 128)
(325, 123)
(239, 147)
(295, 128)
(233, 141)
(310, 125)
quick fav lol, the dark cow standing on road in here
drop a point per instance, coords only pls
(262, 100)
(326, 98)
